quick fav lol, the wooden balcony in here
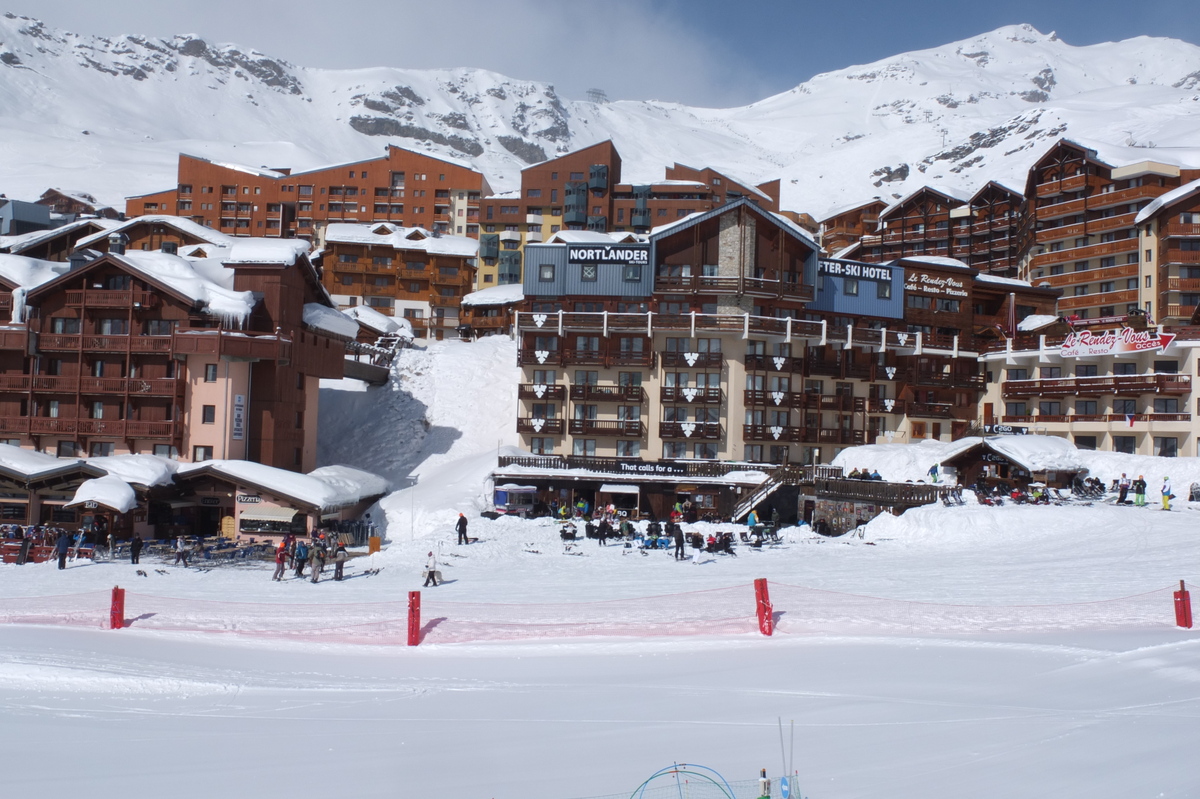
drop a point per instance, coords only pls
(789, 434)
(1175, 256)
(692, 395)
(1055, 187)
(898, 406)
(918, 377)
(532, 357)
(549, 427)
(1121, 272)
(754, 286)
(608, 427)
(588, 393)
(697, 431)
(547, 392)
(232, 345)
(930, 410)
(1098, 386)
(109, 428)
(774, 363)
(1188, 284)
(692, 360)
(104, 298)
(1084, 253)
(1124, 196)
(1172, 229)
(1122, 298)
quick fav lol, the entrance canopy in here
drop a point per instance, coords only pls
(269, 515)
(611, 488)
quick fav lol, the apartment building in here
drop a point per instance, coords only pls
(583, 190)
(410, 273)
(725, 336)
(404, 188)
(138, 351)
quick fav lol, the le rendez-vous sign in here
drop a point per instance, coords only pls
(1112, 342)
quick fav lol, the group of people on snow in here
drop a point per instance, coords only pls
(864, 474)
(295, 554)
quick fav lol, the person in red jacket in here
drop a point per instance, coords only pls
(281, 558)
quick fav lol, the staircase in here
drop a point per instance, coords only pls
(763, 490)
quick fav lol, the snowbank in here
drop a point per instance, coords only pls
(385, 325)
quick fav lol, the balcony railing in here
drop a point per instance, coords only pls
(931, 410)
(703, 431)
(678, 284)
(1096, 386)
(550, 427)
(541, 391)
(111, 428)
(608, 427)
(104, 298)
(589, 393)
(774, 363)
(692, 360)
(690, 394)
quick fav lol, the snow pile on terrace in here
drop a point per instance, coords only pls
(108, 491)
(265, 251)
(383, 324)
(1036, 321)
(495, 295)
(143, 470)
(184, 277)
(27, 273)
(328, 489)
(401, 238)
(327, 320)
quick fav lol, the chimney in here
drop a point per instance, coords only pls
(77, 260)
(117, 242)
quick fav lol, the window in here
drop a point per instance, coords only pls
(67, 449)
(584, 447)
(588, 273)
(1085, 442)
(949, 306)
(633, 273)
(114, 326)
(1165, 447)
(1017, 374)
(704, 451)
(541, 446)
(1085, 407)
(1015, 409)
(850, 287)
(1125, 444)
(52, 409)
(1050, 408)
(918, 301)
(165, 451)
(1124, 368)
(208, 414)
(103, 449)
(1085, 370)
(1051, 372)
(883, 291)
(629, 449)
(1166, 405)
(1081, 291)
(1167, 367)
(210, 373)
(64, 325)
(97, 411)
(1107, 286)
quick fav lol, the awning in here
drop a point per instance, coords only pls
(514, 487)
(269, 515)
(686, 489)
(609, 488)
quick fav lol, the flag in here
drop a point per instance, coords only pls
(1129, 419)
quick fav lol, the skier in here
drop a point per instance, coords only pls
(318, 559)
(603, 532)
(61, 547)
(431, 572)
(135, 549)
(112, 546)
(281, 558)
(1139, 491)
(181, 551)
(339, 560)
(677, 534)
(461, 527)
(1167, 496)
(1123, 487)
(933, 473)
(301, 557)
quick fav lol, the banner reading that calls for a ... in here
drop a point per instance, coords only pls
(1112, 342)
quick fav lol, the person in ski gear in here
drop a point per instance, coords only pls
(431, 572)
(461, 527)
(1139, 491)
(752, 519)
(112, 546)
(933, 472)
(677, 534)
(135, 549)
(281, 558)
(339, 561)
(181, 551)
(1166, 493)
(318, 559)
(1123, 488)
(301, 557)
(61, 547)
(603, 532)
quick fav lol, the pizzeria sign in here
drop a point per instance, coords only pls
(1085, 343)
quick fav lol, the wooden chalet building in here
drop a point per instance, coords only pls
(75, 204)
(846, 228)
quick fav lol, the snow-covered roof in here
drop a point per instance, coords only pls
(401, 238)
(935, 260)
(846, 252)
(327, 488)
(1035, 322)
(108, 491)
(495, 295)
(699, 216)
(28, 463)
(81, 197)
(1173, 196)
(192, 280)
(260, 171)
(748, 477)
(790, 223)
(1007, 281)
(953, 194)
(372, 319)
(592, 237)
(179, 223)
(28, 272)
(911, 462)
(264, 251)
(845, 209)
(327, 320)
(16, 244)
(143, 470)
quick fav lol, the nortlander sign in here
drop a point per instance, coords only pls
(609, 254)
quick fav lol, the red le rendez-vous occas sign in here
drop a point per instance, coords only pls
(1086, 343)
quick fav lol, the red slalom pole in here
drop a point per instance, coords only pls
(762, 604)
(116, 612)
(1183, 607)
(414, 618)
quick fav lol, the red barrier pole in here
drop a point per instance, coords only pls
(116, 613)
(414, 618)
(762, 603)
(1183, 607)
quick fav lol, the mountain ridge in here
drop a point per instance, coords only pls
(111, 115)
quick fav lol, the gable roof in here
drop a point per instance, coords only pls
(690, 221)
(27, 241)
(180, 224)
(1175, 195)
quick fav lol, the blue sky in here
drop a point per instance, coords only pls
(698, 52)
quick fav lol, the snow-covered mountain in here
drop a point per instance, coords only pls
(110, 115)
